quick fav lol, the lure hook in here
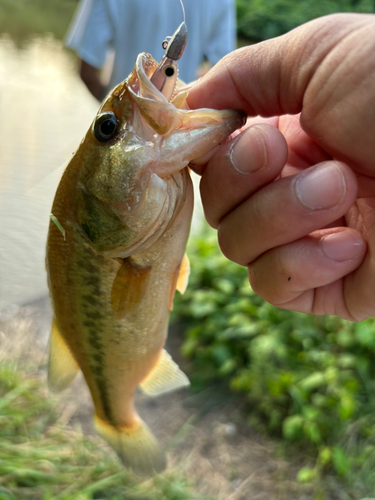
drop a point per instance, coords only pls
(166, 74)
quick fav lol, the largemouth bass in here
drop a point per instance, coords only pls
(115, 253)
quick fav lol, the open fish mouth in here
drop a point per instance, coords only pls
(154, 141)
(180, 135)
(140, 80)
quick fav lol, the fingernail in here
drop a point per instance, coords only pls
(323, 187)
(248, 151)
(342, 246)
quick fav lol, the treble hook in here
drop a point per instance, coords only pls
(165, 75)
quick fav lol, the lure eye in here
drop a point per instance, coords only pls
(105, 126)
(169, 71)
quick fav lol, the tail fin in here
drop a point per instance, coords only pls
(136, 446)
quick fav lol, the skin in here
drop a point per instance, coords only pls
(293, 196)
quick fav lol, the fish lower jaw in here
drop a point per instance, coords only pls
(182, 147)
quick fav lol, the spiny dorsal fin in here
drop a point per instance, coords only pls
(183, 275)
(165, 376)
(62, 367)
(128, 288)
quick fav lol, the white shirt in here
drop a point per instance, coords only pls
(129, 27)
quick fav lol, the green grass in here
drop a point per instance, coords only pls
(39, 460)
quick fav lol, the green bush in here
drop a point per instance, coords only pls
(261, 19)
(306, 378)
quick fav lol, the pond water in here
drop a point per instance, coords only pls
(45, 111)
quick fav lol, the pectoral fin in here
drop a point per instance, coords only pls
(128, 288)
(166, 376)
(62, 367)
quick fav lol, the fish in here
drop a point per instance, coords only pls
(116, 254)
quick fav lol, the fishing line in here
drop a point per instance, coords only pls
(183, 9)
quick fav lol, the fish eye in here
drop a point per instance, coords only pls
(105, 126)
(169, 71)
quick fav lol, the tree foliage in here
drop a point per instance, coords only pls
(262, 19)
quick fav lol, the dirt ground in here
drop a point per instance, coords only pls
(205, 434)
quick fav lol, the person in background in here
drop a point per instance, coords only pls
(122, 29)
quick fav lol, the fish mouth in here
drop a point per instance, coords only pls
(179, 135)
(140, 80)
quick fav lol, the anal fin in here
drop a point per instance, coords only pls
(165, 376)
(62, 367)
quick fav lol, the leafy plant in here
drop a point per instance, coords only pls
(308, 379)
(261, 19)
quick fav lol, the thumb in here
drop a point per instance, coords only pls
(271, 78)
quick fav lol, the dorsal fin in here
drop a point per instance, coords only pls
(128, 288)
(62, 367)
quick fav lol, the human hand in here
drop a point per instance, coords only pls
(293, 198)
